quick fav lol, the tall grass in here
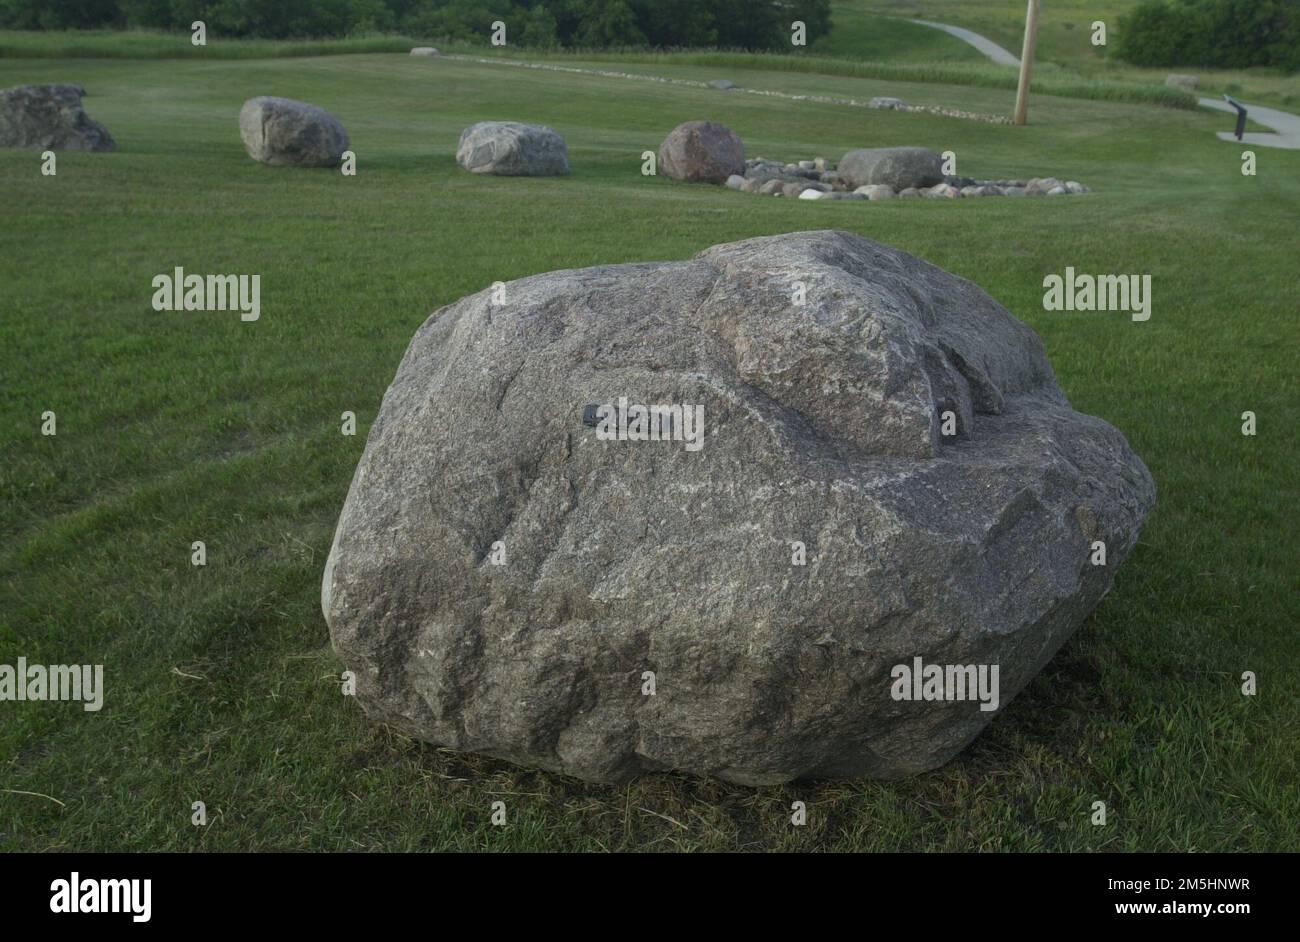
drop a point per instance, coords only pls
(107, 44)
(985, 75)
(148, 44)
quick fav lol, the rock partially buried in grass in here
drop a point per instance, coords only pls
(511, 149)
(942, 191)
(899, 167)
(50, 117)
(736, 601)
(702, 152)
(424, 51)
(282, 132)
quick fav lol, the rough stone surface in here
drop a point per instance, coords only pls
(889, 104)
(49, 117)
(876, 191)
(899, 167)
(702, 152)
(735, 181)
(822, 424)
(287, 133)
(1041, 185)
(511, 149)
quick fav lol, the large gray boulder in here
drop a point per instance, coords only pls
(511, 149)
(287, 133)
(49, 117)
(503, 580)
(897, 167)
(702, 152)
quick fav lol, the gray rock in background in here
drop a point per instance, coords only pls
(823, 425)
(511, 149)
(50, 117)
(702, 152)
(899, 167)
(1187, 83)
(287, 133)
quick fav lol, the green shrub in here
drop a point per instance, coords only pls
(1224, 34)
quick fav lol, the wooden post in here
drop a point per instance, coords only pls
(1026, 62)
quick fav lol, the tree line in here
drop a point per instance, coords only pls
(1222, 34)
(726, 24)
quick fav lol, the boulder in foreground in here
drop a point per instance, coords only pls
(50, 117)
(511, 149)
(287, 133)
(505, 581)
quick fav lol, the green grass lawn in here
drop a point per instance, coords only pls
(174, 427)
(857, 33)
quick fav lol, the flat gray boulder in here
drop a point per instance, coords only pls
(287, 133)
(511, 149)
(736, 599)
(898, 167)
(702, 152)
(50, 117)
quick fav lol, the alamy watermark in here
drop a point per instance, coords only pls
(919, 681)
(78, 895)
(1071, 292)
(84, 682)
(181, 292)
(632, 422)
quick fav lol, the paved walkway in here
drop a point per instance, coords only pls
(986, 46)
(1285, 124)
